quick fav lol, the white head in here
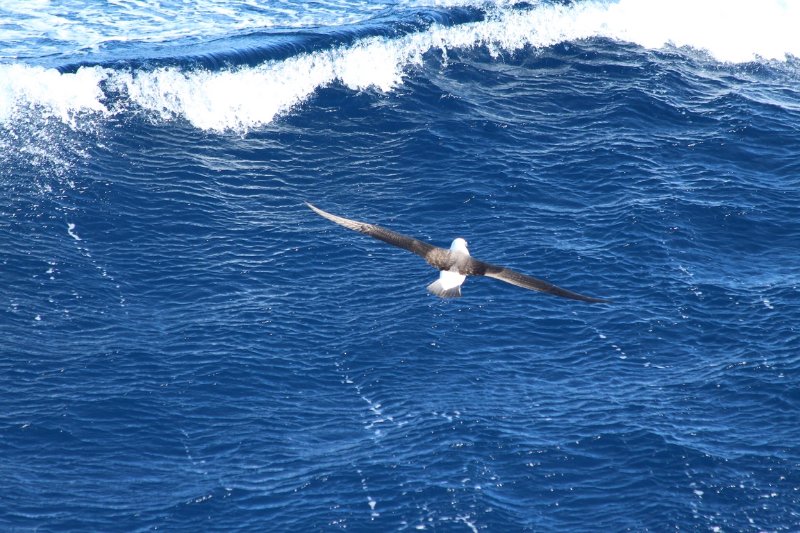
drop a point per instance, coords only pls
(459, 245)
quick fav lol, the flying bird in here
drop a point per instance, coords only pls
(454, 264)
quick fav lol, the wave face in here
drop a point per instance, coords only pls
(185, 346)
(729, 31)
(247, 88)
(35, 29)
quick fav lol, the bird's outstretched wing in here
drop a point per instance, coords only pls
(386, 235)
(442, 259)
(479, 268)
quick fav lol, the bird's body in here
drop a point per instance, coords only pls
(454, 264)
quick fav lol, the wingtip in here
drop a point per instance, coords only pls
(584, 298)
(317, 210)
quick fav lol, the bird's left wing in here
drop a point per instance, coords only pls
(479, 268)
(411, 244)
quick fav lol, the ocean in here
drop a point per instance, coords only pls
(186, 346)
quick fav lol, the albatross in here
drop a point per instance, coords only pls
(454, 264)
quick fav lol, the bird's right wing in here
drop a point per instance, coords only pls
(411, 244)
(479, 268)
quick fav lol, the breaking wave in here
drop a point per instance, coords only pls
(252, 93)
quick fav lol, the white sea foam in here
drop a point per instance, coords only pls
(71, 231)
(467, 522)
(247, 97)
(54, 94)
(729, 31)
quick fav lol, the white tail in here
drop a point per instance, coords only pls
(437, 289)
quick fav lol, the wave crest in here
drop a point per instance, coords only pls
(244, 97)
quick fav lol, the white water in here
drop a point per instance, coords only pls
(247, 97)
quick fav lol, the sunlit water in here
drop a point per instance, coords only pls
(185, 346)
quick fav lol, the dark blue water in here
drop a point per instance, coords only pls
(185, 346)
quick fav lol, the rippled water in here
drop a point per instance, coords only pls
(186, 346)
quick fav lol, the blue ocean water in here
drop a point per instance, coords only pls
(185, 346)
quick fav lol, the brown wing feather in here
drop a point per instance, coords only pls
(443, 259)
(479, 268)
(386, 235)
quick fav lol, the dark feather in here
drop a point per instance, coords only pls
(479, 268)
(386, 235)
(445, 260)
